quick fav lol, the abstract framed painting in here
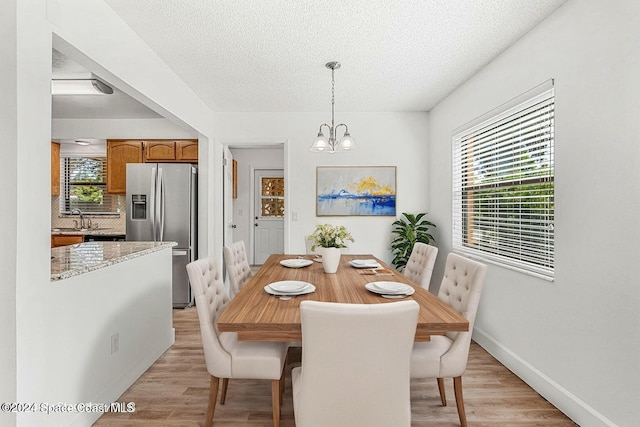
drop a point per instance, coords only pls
(356, 191)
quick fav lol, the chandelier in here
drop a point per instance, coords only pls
(321, 144)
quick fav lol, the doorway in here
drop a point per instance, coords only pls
(241, 211)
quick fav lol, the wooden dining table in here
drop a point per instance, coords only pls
(255, 315)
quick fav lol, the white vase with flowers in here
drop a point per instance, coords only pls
(331, 238)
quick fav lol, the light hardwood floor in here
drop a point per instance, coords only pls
(174, 392)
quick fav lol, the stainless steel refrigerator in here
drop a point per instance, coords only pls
(162, 207)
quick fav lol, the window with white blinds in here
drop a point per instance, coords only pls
(84, 186)
(503, 186)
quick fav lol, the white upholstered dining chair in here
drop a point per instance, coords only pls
(446, 356)
(225, 356)
(420, 264)
(355, 364)
(237, 264)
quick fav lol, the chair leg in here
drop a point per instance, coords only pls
(457, 389)
(443, 395)
(282, 383)
(213, 395)
(275, 402)
(223, 393)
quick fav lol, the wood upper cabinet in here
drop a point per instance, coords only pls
(159, 151)
(171, 151)
(119, 153)
(55, 169)
(187, 151)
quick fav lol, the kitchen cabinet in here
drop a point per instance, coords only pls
(55, 169)
(187, 151)
(119, 153)
(171, 151)
(159, 151)
(65, 239)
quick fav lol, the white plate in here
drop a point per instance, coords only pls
(388, 294)
(367, 263)
(307, 289)
(288, 285)
(296, 262)
(392, 287)
(319, 259)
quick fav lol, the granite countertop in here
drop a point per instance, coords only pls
(85, 231)
(73, 260)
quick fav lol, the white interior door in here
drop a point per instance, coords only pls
(268, 230)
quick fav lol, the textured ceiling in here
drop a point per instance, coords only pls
(261, 56)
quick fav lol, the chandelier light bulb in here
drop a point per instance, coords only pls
(347, 142)
(320, 143)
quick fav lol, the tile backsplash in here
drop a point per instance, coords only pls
(117, 222)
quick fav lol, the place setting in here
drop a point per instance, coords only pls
(370, 267)
(364, 263)
(288, 289)
(390, 290)
(296, 262)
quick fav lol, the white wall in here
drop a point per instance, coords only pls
(384, 139)
(576, 340)
(90, 30)
(132, 299)
(119, 129)
(8, 211)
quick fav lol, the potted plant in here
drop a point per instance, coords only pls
(331, 238)
(409, 230)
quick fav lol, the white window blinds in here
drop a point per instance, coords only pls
(84, 186)
(503, 186)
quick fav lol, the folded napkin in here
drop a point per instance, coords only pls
(365, 262)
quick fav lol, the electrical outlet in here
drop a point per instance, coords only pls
(115, 342)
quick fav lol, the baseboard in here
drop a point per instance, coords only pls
(122, 382)
(576, 409)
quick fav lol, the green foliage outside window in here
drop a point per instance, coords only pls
(85, 186)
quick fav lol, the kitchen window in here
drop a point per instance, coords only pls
(84, 186)
(503, 185)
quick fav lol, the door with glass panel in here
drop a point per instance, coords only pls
(268, 214)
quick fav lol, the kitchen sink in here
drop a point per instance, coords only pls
(79, 229)
(69, 229)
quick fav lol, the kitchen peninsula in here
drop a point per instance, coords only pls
(72, 260)
(108, 319)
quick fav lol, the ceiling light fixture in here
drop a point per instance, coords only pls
(321, 144)
(80, 87)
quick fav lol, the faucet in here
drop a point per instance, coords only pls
(79, 212)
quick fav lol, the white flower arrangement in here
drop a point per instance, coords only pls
(330, 236)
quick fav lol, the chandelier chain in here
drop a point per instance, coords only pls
(333, 101)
